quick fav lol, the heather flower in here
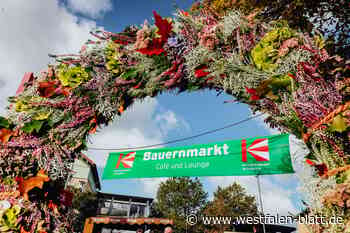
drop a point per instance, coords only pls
(231, 22)
(207, 37)
(287, 45)
(143, 37)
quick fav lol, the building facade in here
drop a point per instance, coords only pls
(123, 205)
(85, 175)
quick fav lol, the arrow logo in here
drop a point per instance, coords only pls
(127, 161)
(259, 149)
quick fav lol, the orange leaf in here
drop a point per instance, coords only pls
(93, 124)
(5, 135)
(121, 109)
(34, 182)
(24, 231)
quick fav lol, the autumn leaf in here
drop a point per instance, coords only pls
(338, 124)
(253, 94)
(5, 135)
(47, 89)
(93, 125)
(155, 48)
(200, 72)
(163, 25)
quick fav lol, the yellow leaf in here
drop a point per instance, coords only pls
(338, 124)
(43, 115)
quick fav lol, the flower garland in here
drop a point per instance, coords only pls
(276, 70)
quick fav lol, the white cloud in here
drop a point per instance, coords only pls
(150, 185)
(30, 31)
(33, 29)
(91, 8)
(170, 121)
(135, 127)
(140, 125)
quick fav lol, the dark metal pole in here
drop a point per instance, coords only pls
(260, 201)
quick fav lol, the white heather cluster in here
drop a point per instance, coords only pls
(241, 75)
(289, 63)
(231, 22)
(314, 188)
(198, 56)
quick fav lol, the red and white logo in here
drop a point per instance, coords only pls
(126, 160)
(259, 149)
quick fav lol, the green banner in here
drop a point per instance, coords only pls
(253, 156)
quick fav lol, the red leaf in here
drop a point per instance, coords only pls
(291, 75)
(251, 91)
(199, 73)
(164, 30)
(155, 48)
(254, 97)
(321, 169)
(163, 25)
(46, 89)
(122, 42)
(185, 13)
(151, 51)
(138, 85)
(308, 161)
(308, 68)
(254, 94)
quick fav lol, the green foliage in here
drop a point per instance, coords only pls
(178, 197)
(34, 125)
(4, 123)
(129, 74)
(265, 53)
(8, 219)
(72, 76)
(113, 64)
(86, 205)
(293, 123)
(230, 201)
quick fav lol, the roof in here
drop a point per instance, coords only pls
(130, 221)
(93, 169)
(124, 197)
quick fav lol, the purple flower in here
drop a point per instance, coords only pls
(172, 41)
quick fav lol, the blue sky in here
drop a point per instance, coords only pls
(60, 26)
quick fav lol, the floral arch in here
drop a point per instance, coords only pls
(277, 70)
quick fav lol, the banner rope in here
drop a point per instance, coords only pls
(181, 139)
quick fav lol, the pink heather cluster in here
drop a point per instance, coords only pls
(143, 37)
(207, 37)
(290, 43)
(314, 100)
(248, 41)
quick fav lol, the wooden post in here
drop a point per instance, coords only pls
(89, 226)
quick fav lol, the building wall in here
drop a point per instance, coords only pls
(81, 169)
(92, 181)
(83, 176)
